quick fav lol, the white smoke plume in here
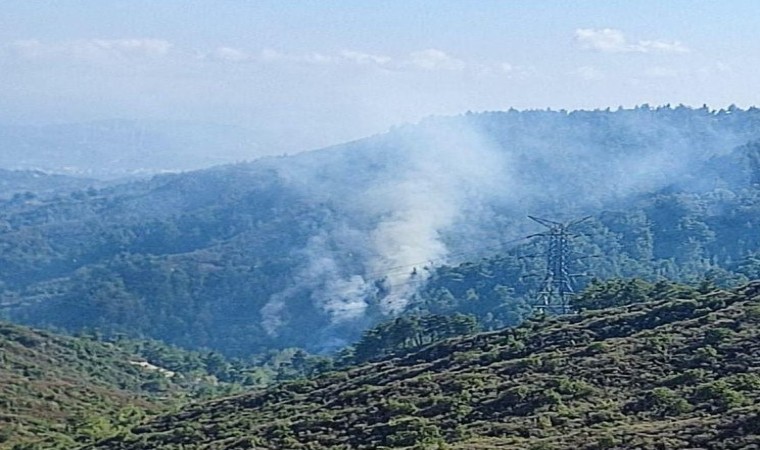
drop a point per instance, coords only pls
(436, 173)
(408, 199)
(446, 169)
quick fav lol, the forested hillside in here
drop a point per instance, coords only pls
(59, 392)
(29, 184)
(673, 368)
(243, 258)
(674, 236)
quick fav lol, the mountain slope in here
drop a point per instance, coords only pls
(243, 258)
(59, 391)
(51, 384)
(674, 373)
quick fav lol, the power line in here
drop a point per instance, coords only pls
(556, 289)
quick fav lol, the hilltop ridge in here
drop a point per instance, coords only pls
(675, 373)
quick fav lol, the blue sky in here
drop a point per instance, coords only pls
(310, 73)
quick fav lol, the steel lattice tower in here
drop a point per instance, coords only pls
(557, 286)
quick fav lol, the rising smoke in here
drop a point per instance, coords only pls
(409, 198)
(399, 217)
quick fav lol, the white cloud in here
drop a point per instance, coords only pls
(433, 59)
(430, 59)
(90, 49)
(230, 54)
(270, 55)
(604, 40)
(661, 47)
(610, 40)
(364, 58)
(143, 47)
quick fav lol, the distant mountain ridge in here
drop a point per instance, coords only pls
(119, 148)
(35, 182)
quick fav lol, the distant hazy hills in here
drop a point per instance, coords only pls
(678, 373)
(311, 249)
(14, 182)
(118, 148)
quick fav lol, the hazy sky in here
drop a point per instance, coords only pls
(305, 74)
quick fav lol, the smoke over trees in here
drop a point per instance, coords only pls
(251, 256)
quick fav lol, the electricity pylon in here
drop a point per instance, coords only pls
(557, 286)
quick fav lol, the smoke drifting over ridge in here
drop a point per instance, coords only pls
(421, 192)
(418, 185)
(447, 169)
